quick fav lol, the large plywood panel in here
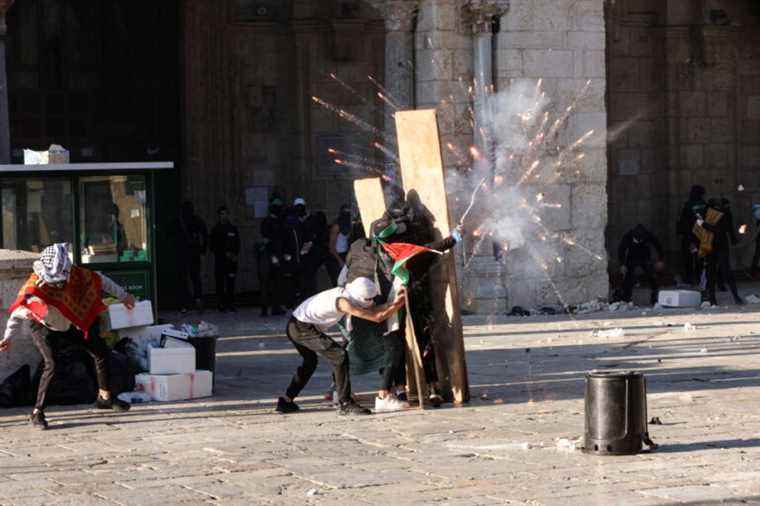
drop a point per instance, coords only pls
(423, 180)
(369, 197)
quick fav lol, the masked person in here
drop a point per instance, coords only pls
(693, 209)
(406, 252)
(635, 253)
(307, 231)
(64, 301)
(271, 259)
(192, 240)
(225, 243)
(306, 330)
(719, 222)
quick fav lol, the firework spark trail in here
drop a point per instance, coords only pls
(383, 94)
(348, 87)
(349, 117)
(387, 152)
(481, 184)
(561, 121)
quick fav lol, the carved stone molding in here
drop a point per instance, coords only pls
(477, 15)
(398, 14)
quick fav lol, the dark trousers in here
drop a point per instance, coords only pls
(691, 269)
(225, 274)
(756, 256)
(630, 280)
(271, 280)
(189, 268)
(719, 264)
(93, 344)
(311, 343)
(394, 374)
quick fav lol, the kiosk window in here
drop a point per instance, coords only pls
(37, 212)
(113, 223)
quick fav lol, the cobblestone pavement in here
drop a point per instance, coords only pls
(527, 387)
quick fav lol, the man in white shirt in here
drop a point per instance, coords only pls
(64, 300)
(306, 330)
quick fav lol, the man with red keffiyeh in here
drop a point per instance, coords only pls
(64, 300)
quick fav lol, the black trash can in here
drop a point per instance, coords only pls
(205, 355)
(616, 413)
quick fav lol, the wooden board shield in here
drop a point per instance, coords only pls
(423, 180)
(371, 201)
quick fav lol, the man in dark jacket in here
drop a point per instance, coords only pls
(225, 244)
(694, 208)
(271, 258)
(192, 237)
(635, 253)
(719, 260)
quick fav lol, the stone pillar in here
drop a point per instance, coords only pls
(5, 135)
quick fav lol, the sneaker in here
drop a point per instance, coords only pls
(352, 408)
(286, 406)
(38, 420)
(388, 405)
(113, 404)
(436, 400)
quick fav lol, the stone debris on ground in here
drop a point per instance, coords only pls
(689, 327)
(617, 332)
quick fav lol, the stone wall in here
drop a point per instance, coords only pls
(683, 100)
(563, 43)
(15, 267)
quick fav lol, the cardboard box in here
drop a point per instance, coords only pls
(171, 360)
(679, 298)
(140, 316)
(175, 387)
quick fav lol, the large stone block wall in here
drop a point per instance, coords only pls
(683, 95)
(563, 43)
(15, 267)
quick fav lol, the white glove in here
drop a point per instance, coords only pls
(275, 260)
(700, 221)
(623, 270)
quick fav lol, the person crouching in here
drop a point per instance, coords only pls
(306, 330)
(64, 301)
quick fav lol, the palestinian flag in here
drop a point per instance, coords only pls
(401, 253)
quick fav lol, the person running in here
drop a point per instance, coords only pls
(306, 330)
(64, 301)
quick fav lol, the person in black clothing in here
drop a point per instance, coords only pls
(192, 238)
(718, 261)
(225, 243)
(270, 259)
(306, 231)
(756, 255)
(693, 209)
(635, 253)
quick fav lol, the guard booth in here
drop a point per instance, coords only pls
(104, 210)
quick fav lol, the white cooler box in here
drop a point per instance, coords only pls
(679, 298)
(175, 387)
(171, 360)
(121, 317)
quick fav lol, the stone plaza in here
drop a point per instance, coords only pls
(514, 443)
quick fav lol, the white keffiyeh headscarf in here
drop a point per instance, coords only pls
(54, 264)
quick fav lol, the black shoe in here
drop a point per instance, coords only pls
(286, 406)
(352, 408)
(38, 420)
(113, 404)
(264, 312)
(278, 311)
(436, 400)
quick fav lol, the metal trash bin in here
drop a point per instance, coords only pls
(616, 413)
(205, 355)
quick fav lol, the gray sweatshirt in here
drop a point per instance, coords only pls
(55, 320)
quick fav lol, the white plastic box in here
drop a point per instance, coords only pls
(171, 360)
(679, 298)
(122, 318)
(175, 387)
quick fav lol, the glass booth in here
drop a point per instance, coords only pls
(104, 210)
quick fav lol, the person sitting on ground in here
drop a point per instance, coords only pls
(635, 253)
(64, 301)
(306, 330)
